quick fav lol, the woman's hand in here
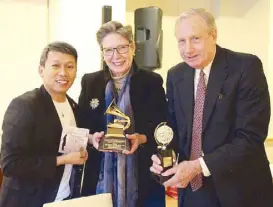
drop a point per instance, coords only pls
(135, 139)
(94, 139)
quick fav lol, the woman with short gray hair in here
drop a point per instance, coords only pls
(139, 94)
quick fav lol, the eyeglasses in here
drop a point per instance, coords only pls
(121, 49)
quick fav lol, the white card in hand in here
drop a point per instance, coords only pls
(73, 139)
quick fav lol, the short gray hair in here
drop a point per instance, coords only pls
(206, 16)
(62, 47)
(114, 27)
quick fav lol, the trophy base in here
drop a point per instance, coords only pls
(116, 144)
(167, 158)
(161, 179)
(167, 161)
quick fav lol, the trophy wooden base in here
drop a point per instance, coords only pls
(166, 157)
(161, 179)
(116, 144)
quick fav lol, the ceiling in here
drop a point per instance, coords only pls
(234, 8)
(35, 2)
(169, 7)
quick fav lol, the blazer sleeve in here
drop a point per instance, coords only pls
(83, 93)
(18, 155)
(171, 112)
(82, 117)
(251, 123)
(157, 110)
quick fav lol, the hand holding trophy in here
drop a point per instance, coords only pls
(115, 139)
(163, 135)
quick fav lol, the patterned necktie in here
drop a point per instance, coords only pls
(196, 144)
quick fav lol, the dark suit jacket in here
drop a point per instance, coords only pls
(30, 141)
(235, 125)
(150, 108)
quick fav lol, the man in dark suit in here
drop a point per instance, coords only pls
(219, 110)
(34, 172)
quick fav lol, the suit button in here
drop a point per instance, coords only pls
(229, 172)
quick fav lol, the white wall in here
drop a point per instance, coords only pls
(22, 37)
(246, 33)
(242, 26)
(27, 26)
(270, 66)
(77, 21)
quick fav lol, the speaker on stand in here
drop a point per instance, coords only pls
(148, 37)
(106, 17)
(106, 14)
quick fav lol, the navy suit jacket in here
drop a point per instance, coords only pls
(30, 143)
(235, 125)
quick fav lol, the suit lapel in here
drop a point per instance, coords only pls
(217, 76)
(186, 95)
(52, 118)
(73, 106)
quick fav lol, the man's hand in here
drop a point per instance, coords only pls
(135, 139)
(156, 167)
(184, 172)
(75, 158)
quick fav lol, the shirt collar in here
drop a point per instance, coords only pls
(206, 69)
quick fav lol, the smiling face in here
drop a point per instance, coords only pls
(196, 42)
(58, 74)
(117, 53)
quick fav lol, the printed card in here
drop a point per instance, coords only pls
(73, 139)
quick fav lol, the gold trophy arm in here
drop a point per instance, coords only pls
(120, 121)
(128, 123)
(114, 110)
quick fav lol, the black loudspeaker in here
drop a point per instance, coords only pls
(148, 37)
(106, 17)
(106, 14)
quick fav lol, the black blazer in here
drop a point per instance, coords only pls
(150, 108)
(235, 125)
(30, 141)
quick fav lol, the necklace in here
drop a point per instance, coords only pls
(120, 77)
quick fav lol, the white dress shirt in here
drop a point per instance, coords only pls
(67, 118)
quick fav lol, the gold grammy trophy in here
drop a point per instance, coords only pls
(115, 139)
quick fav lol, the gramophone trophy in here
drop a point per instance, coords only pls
(163, 135)
(114, 138)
